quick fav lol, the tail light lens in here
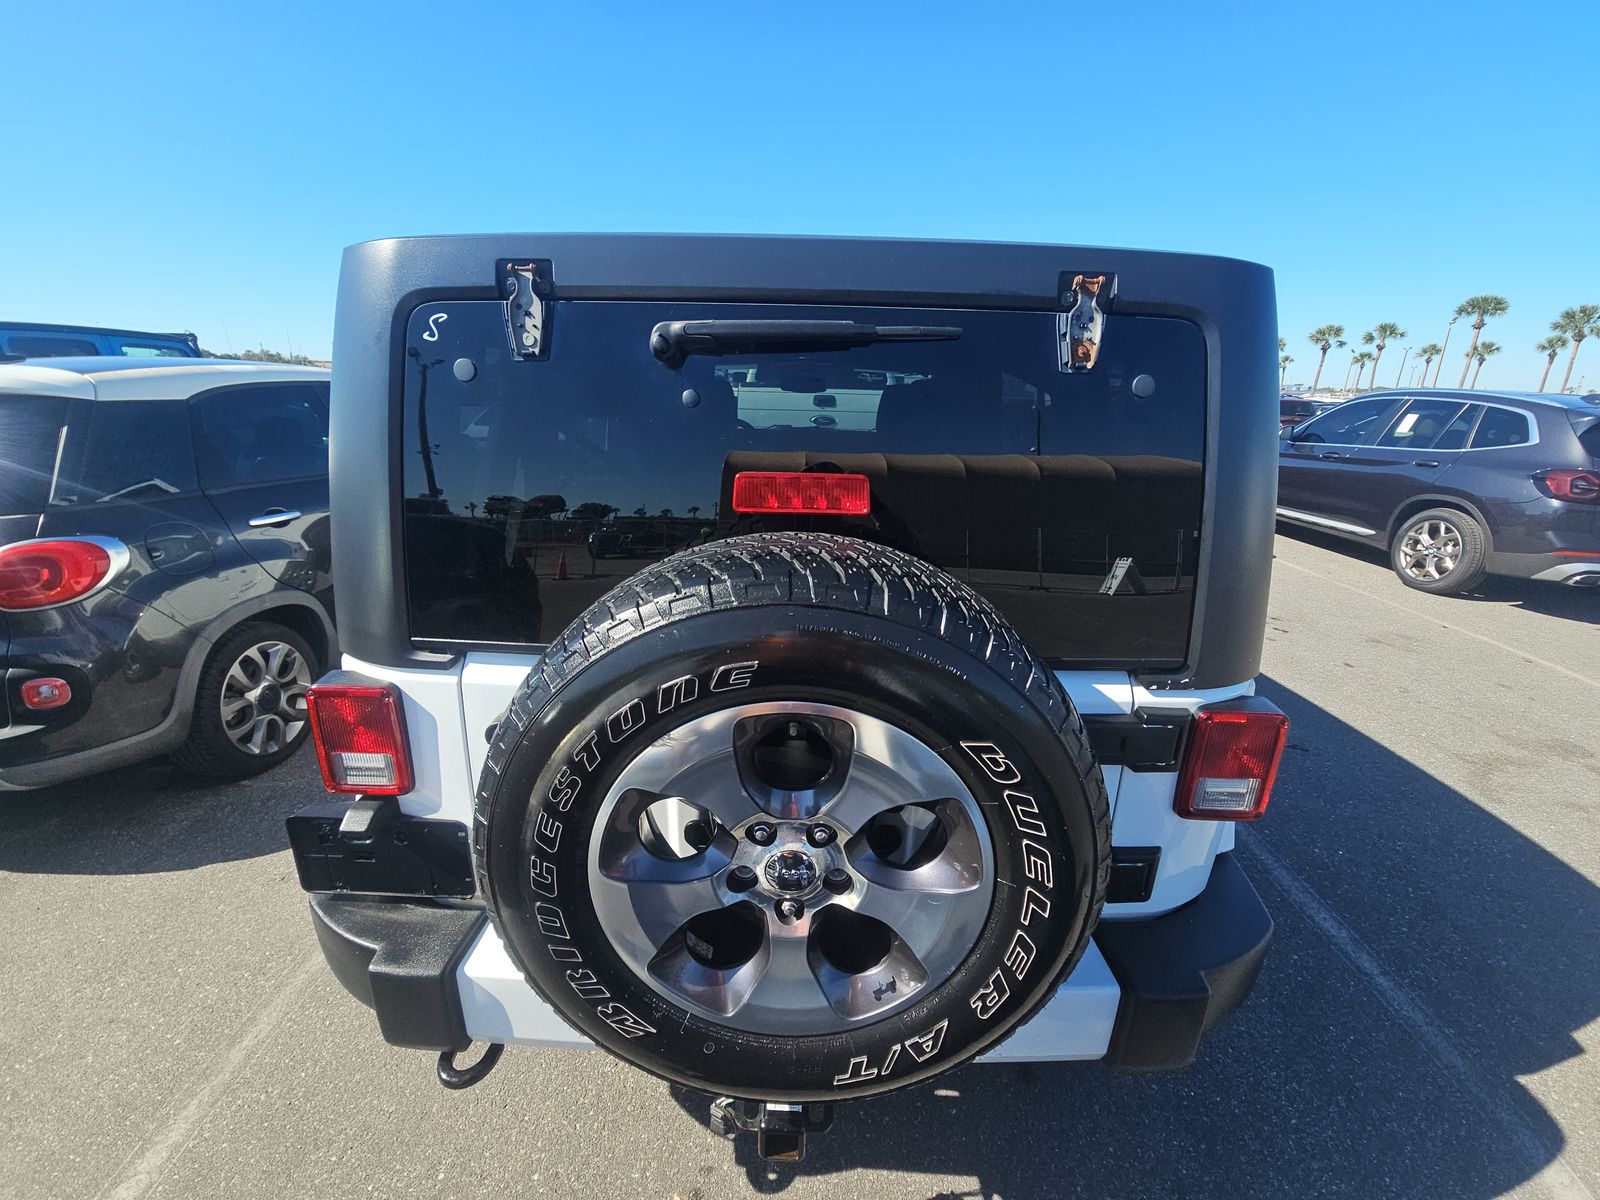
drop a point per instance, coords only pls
(1582, 487)
(801, 492)
(1231, 760)
(48, 571)
(44, 694)
(360, 734)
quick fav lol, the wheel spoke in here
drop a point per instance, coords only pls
(680, 767)
(232, 706)
(786, 981)
(890, 768)
(918, 919)
(654, 905)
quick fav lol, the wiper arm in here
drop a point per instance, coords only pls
(673, 341)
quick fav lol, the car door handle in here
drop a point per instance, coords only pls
(273, 516)
(1330, 456)
(1424, 462)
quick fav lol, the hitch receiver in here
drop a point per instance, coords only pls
(780, 1129)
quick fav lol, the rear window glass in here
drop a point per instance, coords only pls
(30, 345)
(1501, 427)
(134, 450)
(1590, 439)
(30, 434)
(153, 350)
(531, 487)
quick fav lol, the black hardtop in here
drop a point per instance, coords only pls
(1232, 303)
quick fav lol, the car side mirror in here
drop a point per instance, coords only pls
(1285, 432)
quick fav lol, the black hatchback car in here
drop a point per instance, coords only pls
(1455, 485)
(164, 563)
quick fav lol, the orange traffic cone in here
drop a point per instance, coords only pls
(561, 566)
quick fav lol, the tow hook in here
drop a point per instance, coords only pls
(455, 1078)
(780, 1129)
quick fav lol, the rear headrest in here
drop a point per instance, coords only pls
(905, 415)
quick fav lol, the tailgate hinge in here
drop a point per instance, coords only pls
(1080, 328)
(525, 285)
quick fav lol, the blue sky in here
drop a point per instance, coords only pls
(202, 168)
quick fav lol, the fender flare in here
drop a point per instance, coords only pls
(1440, 499)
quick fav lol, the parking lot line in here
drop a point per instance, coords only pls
(1557, 1179)
(1394, 604)
(158, 1150)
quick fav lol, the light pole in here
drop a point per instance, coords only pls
(1402, 369)
(1443, 348)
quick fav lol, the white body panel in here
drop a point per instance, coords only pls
(449, 715)
(499, 1006)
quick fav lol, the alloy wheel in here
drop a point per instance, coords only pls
(791, 868)
(1430, 550)
(263, 703)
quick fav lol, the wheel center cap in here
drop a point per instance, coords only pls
(267, 699)
(791, 871)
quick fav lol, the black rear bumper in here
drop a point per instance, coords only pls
(1183, 972)
(1180, 973)
(399, 958)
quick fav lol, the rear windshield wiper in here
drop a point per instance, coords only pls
(673, 341)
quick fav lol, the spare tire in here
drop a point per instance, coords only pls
(792, 817)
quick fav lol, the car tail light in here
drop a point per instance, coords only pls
(1582, 487)
(45, 572)
(41, 695)
(1231, 760)
(360, 735)
(801, 492)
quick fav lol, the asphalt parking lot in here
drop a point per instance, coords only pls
(1425, 1024)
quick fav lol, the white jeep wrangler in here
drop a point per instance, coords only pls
(796, 666)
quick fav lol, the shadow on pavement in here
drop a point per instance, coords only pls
(1550, 599)
(1316, 1087)
(151, 817)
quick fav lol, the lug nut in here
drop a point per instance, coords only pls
(741, 879)
(838, 881)
(821, 835)
(790, 910)
(762, 833)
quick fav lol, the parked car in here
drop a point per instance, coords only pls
(1454, 485)
(164, 566)
(816, 808)
(1294, 410)
(23, 339)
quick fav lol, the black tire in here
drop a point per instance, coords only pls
(210, 752)
(1469, 566)
(830, 620)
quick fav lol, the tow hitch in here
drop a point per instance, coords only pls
(780, 1129)
(455, 1078)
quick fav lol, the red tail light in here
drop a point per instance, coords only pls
(360, 735)
(801, 492)
(48, 571)
(44, 694)
(1231, 761)
(1582, 487)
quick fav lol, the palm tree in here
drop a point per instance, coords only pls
(1480, 309)
(1361, 359)
(1577, 323)
(1427, 354)
(1283, 366)
(1283, 344)
(1482, 351)
(1322, 338)
(1550, 347)
(1383, 331)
